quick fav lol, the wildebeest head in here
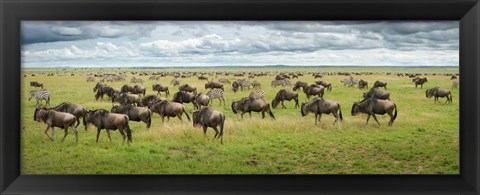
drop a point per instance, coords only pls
(234, 110)
(302, 109)
(355, 108)
(41, 114)
(275, 102)
(196, 118)
(429, 93)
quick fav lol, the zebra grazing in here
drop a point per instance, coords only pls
(39, 96)
(257, 95)
(216, 94)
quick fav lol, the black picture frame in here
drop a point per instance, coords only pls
(465, 11)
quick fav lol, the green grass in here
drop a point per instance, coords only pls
(423, 140)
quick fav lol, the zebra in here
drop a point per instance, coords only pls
(216, 94)
(39, 96)
(257, 94)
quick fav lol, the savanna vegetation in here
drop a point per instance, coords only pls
(424, 139)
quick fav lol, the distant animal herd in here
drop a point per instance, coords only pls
(129, 103)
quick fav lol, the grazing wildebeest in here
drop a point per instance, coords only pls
(188, 88)
(377, 93)
(149, 100)
(201, 100)
(216, 94)
(184, 97)
(283, 95)
(240, 84)
(298, 85)
(453, 77)
(102, 119)
(362, 84)
(90, 79)
(314, 89)
(136, 80)
(419, 81)
(319, 106)
(169, 109)
(175, 82)
(347, 82)
(137, 89)
(77, 110)
(135, 113)
(439, 92)
(39, 96)
(127, 88)
(54, 119)
(161, 88)
(455, 83)
(213, 85)
(207, 117)
(325, 84)
(202, 77)
(372, 106)
(276, 83)
(378, 84)
(36, 84)
(125, 98)
(251, 105)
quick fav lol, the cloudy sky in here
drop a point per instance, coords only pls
(213, 43)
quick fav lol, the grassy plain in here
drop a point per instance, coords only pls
(423, 140)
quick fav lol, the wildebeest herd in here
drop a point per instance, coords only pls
(131, 102)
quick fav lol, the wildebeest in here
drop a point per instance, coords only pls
(455, 83)
(137, 89)
(377, 93)
(90, 79)
(77, 110)
(362, 84)
(224, 81)
(276, 83)
(439, 92)
(136, 80)
(161, 88)
(149, 100)
(319, 106)
(207, 117)
(134, 113)
(314, 89)
(36, 84)
(102, 119)
(372, 106)
(298, 85)
(325, 84)
(125, 98)
(169, 109)
(283, 95)
(256, 84)
(240, 84)
(188, 88)
(127, 88)
(54, 119)
(175, 82)
(184, 97)
(213, 85)
(453, 77)
(201, 100)
(202, 77)
(251, 105)
(419, 81)
(378, 84)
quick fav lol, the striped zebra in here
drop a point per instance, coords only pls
(39, 96)
(216, 94)
(257, 95)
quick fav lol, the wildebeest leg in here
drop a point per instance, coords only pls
(319, 117)
(205, 132)
(336, 116)
(242, 114)
(179, 115)
(98, 134)
(216, 133)
(108, 134)
(122, 132)
(65, 133)
(368, 118)
(163, 119)
(263, 114)
(46, 133)
(391, 119)
(250, 114)
(283, 106)
(223, 99)
(316, 118)
(76, 134)
(374, 117)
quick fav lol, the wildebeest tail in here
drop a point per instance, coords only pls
(270, 112)
(188, 117)
(395, 115)
(339, 109)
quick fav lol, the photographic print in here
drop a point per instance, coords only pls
(240, 97)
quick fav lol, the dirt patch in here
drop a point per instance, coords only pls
(175, 151)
